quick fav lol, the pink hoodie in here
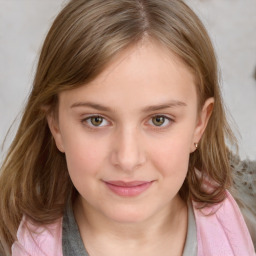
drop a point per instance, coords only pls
(221, 231)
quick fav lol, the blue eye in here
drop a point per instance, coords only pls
(96, 121)
(160, 121)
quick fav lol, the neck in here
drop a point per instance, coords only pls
(167, 228)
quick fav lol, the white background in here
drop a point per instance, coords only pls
(231, 24)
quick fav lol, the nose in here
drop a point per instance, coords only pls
(127, 153)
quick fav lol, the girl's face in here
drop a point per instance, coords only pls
(128, 134)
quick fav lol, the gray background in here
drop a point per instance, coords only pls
(231, 24)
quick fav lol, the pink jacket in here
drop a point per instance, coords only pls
(222, 233)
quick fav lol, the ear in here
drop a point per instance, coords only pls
(54, 128)
(202, 121)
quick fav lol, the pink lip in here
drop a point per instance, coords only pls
(132, 188)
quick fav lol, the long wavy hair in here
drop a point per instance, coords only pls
(83, 39)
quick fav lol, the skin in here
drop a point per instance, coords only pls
(131, 144)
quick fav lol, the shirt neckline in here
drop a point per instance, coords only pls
(72, 243)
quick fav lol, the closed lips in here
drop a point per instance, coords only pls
(127, 184)
(128, 189)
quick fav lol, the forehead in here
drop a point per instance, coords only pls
(144, 73)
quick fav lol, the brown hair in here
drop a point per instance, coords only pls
(83, 39)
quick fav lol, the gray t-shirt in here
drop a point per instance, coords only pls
(72, 244)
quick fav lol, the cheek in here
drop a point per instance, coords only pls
(172, 165)
(172, 160)
(84, 155)
(84, 162)
(171, 156)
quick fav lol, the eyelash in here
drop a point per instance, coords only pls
(91, 126)
(87, 121)
(166, 118)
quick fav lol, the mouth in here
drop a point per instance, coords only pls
(128, 189)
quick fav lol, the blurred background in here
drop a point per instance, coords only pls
(231, 25)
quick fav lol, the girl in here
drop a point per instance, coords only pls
(121, 148)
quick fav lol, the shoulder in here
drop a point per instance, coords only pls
(221, 230)
(37, 240)
(243, 190)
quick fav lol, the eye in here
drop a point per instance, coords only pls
(96, 121)
(160, 121)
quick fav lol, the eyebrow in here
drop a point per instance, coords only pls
(91, 105)
(171, 104)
